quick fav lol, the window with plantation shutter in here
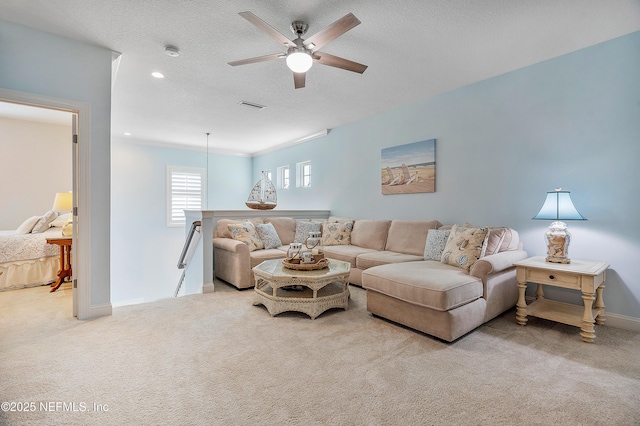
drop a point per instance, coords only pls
(186, 190)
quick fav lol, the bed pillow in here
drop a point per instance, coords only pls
(464, 246)
(27, 225)
(43, 223)
(246, 232)
(436, 242)
(268, 234)
(60, 221)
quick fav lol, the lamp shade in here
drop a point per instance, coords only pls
(558, 206)
(63, 201)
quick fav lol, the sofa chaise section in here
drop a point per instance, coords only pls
(444, 300)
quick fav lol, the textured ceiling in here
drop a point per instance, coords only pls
(414, 49)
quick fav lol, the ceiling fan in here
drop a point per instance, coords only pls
(302, 53)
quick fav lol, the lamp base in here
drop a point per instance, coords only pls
(558, 260)
(557, 238)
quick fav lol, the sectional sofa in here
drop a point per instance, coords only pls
(441, 280)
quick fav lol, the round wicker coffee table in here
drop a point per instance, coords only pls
(319, 291)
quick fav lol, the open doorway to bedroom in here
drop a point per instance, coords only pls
(38, 169)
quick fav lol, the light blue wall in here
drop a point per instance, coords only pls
(39, 63)
(144, 251)
(570, 122)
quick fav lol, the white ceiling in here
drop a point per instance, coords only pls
(414, 49)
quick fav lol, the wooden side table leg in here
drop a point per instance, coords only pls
(521, 306)
(600, 319)
(539, 292)
(55, 284)
(587, 330)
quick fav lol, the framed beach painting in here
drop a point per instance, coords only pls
(409, 168)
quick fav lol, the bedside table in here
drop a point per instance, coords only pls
(585, 276)
(65, 260)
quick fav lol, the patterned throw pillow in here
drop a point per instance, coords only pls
(336, 233)
(495, 238)
(464, 246)
(303, 228)
(246, 233)
(43, 223)
(268, 235)
(436, 242)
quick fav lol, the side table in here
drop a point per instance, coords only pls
(586, 276)
(65, 260)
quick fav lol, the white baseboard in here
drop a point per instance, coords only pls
(207, 288)
(622, 321)
(96, 311)
(612, 320)
(128, 302)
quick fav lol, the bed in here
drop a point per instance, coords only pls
(26, 260)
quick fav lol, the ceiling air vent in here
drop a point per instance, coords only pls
(252, 105)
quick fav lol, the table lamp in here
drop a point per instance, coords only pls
(558, 207)
(64, 202)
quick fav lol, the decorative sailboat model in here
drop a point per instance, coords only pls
(263, 195)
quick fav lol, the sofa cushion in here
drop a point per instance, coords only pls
(409, 236)
(268, 235)
(428, 283)
(336, 233)
(464, 246)
(511, 240)
(346, 253)
(303, 227)
(371, 234)
(259, 256)
(246, 233)
(285, 227)
(435, 244)
(376, 258)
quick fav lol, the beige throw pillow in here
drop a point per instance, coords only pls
(464, 246)
(246, 233)
(495, 238)
(336, 233)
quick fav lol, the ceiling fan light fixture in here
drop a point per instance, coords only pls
(299, 61)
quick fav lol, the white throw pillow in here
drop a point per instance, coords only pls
(28, 225)
(269, 236)
(303, 228)
(436, 242)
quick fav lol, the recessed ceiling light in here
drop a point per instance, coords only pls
(127, 134)
(157, 74)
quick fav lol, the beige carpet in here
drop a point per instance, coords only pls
(215, 359)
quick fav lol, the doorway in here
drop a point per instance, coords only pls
(78, 112)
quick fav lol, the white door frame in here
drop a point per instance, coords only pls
(81, 186)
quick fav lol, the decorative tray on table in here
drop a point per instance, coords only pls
(302, 266)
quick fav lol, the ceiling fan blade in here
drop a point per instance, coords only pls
(299, 79)
(338, 62)
(333, 31)
(257, 59)
(267, 28)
